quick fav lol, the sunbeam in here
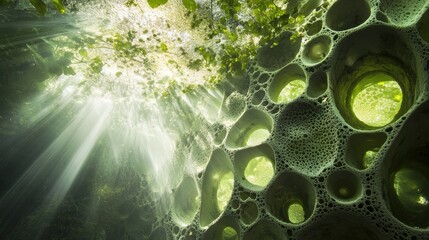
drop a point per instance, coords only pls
(133, 115)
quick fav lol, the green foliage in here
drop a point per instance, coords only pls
(130, 3)
(163, 47)
(230, 8)
(69, 71)
(191, 5)
(127, 48)
(243, 27)
(59, 6)
(156, 3)
(195, 64)
(40, 6)
(208, 55)
(96, 65)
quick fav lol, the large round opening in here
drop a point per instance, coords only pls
(376, 99)
(255, 166)
(375, 78)
(376, 93)
(288, 84)
(316, 50)
(253, 128)
(291, 198)
(217, 188)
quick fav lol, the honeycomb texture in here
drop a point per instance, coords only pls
(293, 161)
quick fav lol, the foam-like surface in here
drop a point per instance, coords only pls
(336, 175)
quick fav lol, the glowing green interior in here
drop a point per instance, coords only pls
(317, 52)
(343, 191)
(377, 99)
(296, 213)
(259, 171)
(229, 233)
(369, 158)
(291, 91)
(412, 189)
(224, 191)
(256, 136)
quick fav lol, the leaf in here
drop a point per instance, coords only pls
(163, 47)
(40, 6)
(156, 3)
(69, 71)
(96, 65)
(130, 3)
(191, 5)
(59, 6)
(83, 52)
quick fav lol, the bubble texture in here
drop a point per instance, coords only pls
(333, 176)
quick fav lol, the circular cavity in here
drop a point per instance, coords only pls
(344, 186)
(403, 13)
(409, 196)
(233, 106)
(253, 128)
(422, 26)
(375, 93)
(288, 84)
(255, 166)
(405, 171)
(265, 230)
(345, 14)
(412, 189)
(217, 187)
(249, 213)
(225, 229)
(272, 57)
(340, 226)
(259, 171)
(365, 58)
(291, 198)
(314, 27)
(376, 99)
(317, 84)
(258, 97)
(296, 213)
(306, 137)
(186, 202)
(362, 149)
(217, 133)
(316, 50)
(382, 17)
